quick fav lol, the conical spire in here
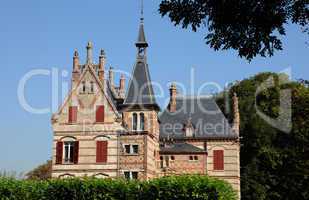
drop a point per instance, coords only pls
(141, 39)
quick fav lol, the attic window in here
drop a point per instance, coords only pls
(83, 86)
(91, 87)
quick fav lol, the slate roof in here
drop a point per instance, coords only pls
(203, 112)
(140, 89)
(181, 148)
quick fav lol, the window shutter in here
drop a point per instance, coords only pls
(100, 114)
(76, 150)
(72, 114)
(218, 160)
(101, 151)
(59, 152)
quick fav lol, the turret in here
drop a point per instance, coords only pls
(111, 77)
(173, 94)
(76, 71)
(89, 53)
(101, 65)
(236, 117)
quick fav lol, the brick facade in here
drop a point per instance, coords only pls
(130, 133)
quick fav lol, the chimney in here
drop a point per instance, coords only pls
(173, 93)
(122, 82)
(89, 53)
(75, 72)
(111, 77)
(236, 117)
(102, 65)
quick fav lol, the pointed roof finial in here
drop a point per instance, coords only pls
(75, 53)
(141, 39)
(102, 53)
(142, 10)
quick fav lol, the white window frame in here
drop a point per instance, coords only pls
(70, 145)
(130, 174)
(131, 152)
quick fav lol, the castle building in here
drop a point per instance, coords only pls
(107, 131)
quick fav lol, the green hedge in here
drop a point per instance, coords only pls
(166, 188)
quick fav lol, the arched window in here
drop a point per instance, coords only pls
(142, 121)
(134, 122)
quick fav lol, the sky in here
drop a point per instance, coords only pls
(42, 35)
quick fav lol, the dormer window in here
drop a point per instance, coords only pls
(189, 128)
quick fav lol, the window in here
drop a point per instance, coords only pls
(142, 121)
(101, 151)
(167, 161)
(127, 148)
(190, 157)
(218, 159)
(72, 114)
(131, 149)
(130, 175)
(134, 175)
(100, 114)
(172, 157)
(195, 157)
(134, 122)
(71, 152)
(135, 148)
(161, 162)
(83, 86)
(91, 87)
(127, 175)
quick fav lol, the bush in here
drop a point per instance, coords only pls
(166, 188)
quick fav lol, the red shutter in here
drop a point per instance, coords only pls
(218, 159)
(101, 151)
(100, 114)
(76, 150)
(59, 152)
(72, 114)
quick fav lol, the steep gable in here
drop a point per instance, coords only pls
(88, 93)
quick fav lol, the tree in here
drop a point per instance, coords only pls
(42, 172)
(274, 164)
(252, 27)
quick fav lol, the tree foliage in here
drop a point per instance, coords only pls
(252, 27)
(274, 164)
(42, 172)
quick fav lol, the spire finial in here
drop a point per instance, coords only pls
(89, 53)
(142, 11)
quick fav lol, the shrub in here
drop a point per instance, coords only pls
(166, 188)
